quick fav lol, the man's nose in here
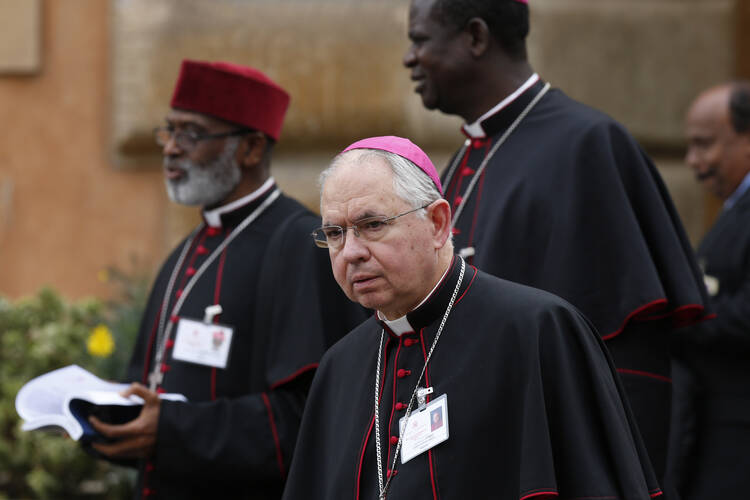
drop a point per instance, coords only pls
(691, 158)
(410, 57)
(354, 247)
(171, 148)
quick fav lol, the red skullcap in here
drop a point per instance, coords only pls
(404, 148)
(238, 94)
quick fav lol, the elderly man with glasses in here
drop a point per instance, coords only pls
(529, 402)
(242, 309)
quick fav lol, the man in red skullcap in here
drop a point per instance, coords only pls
(550, 193)
(242, 309)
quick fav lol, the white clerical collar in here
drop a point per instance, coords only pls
(400, 326)
(213, 216)
(476, 131)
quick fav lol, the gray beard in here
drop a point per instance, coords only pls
(206, 184)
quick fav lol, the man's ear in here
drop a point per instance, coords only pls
(251, 149)
(439, 214)
(479, 36)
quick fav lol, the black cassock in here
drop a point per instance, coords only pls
(235, 437)
(717, 463)
(570, 204)
(534, 405)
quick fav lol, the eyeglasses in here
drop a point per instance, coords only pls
(187, 140)
(369, 229)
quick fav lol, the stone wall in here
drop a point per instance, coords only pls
(80, 187)
(65, 211)
(20, 36)
(640, 61)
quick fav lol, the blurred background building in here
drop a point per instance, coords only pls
(83, 83)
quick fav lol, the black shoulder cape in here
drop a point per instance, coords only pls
(571, 204)
(534, 407)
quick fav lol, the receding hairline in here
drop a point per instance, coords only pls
(353, 156)
(409, 181)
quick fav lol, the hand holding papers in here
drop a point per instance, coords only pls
(64, 399)
(135, 438)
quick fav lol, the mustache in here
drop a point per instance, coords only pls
(175, 163)
(702, 176)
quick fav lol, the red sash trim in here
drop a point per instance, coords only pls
(544, 494)
(289, 378)
(684, 315)
(642, 373)
(272, 423)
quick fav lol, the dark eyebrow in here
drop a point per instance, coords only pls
(416, 32)
(365, 216)
(324, 223)
(186, 125)
(368, 215)
(701, 138)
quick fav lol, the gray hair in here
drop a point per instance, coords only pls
(410, 183)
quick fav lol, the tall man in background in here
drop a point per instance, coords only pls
(553, 194)
(242, 309)
(718, 135)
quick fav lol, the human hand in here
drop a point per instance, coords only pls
(134, 439)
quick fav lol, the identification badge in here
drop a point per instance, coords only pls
(427, 427)
(466, 252)
(712, 285)
(202, 343)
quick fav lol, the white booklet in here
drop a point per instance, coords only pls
(63, 399)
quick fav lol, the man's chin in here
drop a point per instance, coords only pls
(366, 300)
(181, 198)
(429, 103)
(712, 187)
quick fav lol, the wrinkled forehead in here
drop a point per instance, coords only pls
(360, 185)
(180, 117)
(711, 105)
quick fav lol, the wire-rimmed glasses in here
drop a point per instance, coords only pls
(369, 229)
(188, 140)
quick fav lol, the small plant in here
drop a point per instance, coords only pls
(42, 333)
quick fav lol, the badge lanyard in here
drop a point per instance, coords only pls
(483, 165)
(166, 329)
(383, 488)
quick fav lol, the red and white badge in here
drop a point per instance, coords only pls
(202, 343)
(427, 427)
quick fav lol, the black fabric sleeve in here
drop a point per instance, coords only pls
(309, 312)
(300, 312)
(250, 438)
(585, 406)
(732, 321)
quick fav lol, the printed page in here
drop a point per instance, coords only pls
(45, 395)
(47, 401)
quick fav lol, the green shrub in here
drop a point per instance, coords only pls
(42, 333)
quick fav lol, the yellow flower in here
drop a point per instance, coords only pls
(103, 275)
(100, 342)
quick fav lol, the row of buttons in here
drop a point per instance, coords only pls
(399, 406)
(190, 271)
